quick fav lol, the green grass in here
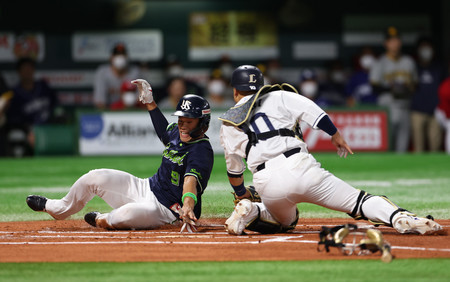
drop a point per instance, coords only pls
(350, 270)
(419, 183)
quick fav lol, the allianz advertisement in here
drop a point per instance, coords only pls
(132, 133)
(129, 133)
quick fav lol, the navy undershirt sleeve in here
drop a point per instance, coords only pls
(327, 125)
(160, 124)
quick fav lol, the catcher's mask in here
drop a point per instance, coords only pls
(194, 106)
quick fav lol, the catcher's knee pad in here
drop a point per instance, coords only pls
(264, 226)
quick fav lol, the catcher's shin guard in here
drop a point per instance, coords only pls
(378, 209)
(268, 226)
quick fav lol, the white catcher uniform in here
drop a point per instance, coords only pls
(288, 179)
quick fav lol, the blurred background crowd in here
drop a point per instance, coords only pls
(411, 81)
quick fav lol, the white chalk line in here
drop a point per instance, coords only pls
(261, 239)
(201, 243)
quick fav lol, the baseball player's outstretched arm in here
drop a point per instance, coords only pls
(187, 211)
(343, 149)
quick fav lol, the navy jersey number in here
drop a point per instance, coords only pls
(265, 119)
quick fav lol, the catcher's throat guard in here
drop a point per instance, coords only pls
(239, 114)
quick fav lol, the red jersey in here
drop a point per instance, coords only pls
(444, 97)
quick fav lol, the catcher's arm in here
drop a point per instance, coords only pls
(241, 191)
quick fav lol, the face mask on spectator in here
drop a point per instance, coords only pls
(426, 53)
(227, 70)
(309, 89)
(367, 61)
(216, 87)
(119, 62)
(175, 71)
(129, 99)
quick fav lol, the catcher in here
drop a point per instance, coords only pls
(263, 128)
(173, 193)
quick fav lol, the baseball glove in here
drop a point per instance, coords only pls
(254, 196)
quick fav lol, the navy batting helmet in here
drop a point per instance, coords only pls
(194, 106)
(247, 78)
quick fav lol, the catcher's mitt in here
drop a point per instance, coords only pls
(254, 196)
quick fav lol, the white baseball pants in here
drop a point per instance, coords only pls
(285, 182)
(135, 206)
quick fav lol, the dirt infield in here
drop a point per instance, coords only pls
(76, 241)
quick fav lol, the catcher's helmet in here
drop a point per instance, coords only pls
(194, 106)
(247, 78)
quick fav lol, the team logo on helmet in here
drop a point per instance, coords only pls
(247, 78)
(186, 105)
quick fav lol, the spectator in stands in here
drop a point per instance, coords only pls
(394, 78)
(225, 65)
(358, 89)
(33, 103)
(425, 128)
(129, 99)
(333, 88)
(217, 90)
(176, 88)
(272, 73)
(173, 68)
(309, 87)
(177, 84)
(109, 77)
(443, 111)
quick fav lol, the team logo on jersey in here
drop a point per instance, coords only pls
(252, 78)
(186, 105)
(174, 156)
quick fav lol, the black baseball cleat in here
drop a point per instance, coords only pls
(36, 203)
(90, 218)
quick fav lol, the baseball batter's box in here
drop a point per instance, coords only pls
(363, 131)
(132, 133)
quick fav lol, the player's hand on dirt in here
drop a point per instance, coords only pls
(188, 217)
(343, 149)
(145, 91)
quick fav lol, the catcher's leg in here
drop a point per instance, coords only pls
(115, 187)
(255, 217)
(336, 194)
(379, 210)
(382, 211)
